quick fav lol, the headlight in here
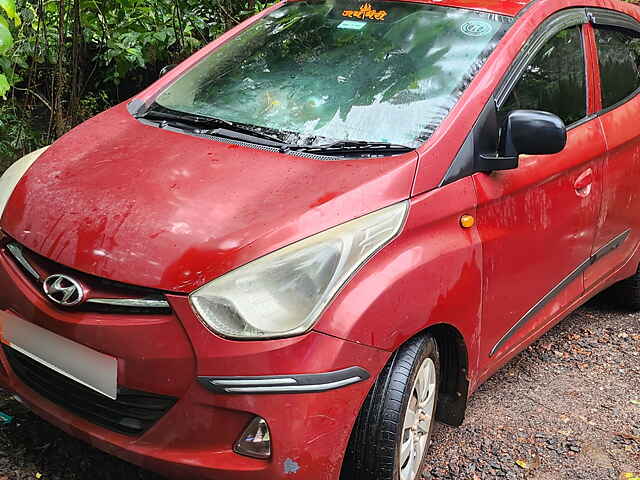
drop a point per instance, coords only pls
(283, 294)
(14, 173)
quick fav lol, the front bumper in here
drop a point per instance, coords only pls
(194, 439)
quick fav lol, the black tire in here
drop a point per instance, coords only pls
(373, 452)
(626, 294)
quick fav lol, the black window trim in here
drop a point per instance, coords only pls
(601, 17)
(610, 18)
(553, 25)
(463, 163)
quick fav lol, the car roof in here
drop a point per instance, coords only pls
(502, 7)
(514, 7)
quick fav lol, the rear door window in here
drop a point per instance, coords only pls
(619, 56)
(555, 80)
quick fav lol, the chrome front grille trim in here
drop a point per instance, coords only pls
(16, 252)
(131, 302)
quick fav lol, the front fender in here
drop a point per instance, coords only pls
(430, 274)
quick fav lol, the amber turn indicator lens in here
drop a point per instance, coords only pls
(467, 221)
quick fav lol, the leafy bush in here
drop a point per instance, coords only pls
(63, 61)
(9, 20)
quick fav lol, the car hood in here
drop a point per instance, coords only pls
(162, 209)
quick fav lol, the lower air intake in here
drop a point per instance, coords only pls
(133, 413)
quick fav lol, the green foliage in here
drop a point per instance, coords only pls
(8, 16)
(6, 39)
(9, 7)
(18, 136)
(132, 37)
(62, 61)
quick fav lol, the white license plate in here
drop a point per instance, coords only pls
(82, 364)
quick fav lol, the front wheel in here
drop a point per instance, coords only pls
(392, 433)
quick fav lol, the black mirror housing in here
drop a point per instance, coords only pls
(525, 132)
(532, 132)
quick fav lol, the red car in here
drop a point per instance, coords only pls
(322, 232)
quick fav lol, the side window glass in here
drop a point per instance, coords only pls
(555, 80)
(619, 56)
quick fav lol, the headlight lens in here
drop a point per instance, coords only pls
(283, 294)
(14, 173)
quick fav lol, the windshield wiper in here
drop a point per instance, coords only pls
(345, 147)
(212, 126)
(224, 128)
(183, 118)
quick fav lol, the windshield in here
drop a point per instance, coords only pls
(318, 71)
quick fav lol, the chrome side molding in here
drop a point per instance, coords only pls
(602, 252)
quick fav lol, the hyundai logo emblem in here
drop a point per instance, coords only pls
(63, 290)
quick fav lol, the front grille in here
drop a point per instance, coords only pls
(133, 413)
(109, 297)
(120, 310)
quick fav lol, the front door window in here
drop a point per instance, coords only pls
(555, 80)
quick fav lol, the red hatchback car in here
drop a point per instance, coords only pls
(319, 234)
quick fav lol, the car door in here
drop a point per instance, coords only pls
(617, 42)
(537, 222)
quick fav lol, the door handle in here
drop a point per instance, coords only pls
(583, 183)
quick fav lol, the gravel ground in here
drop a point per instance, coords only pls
(566, 408)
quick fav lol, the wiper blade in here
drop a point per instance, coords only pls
(235, 131)
(247, 134)
(213, 126)
(345, 147)
(183, 118)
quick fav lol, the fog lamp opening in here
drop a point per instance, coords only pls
(255, 441)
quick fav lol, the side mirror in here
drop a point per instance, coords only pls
(166, 69)
(532, 132)
(527, 132)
